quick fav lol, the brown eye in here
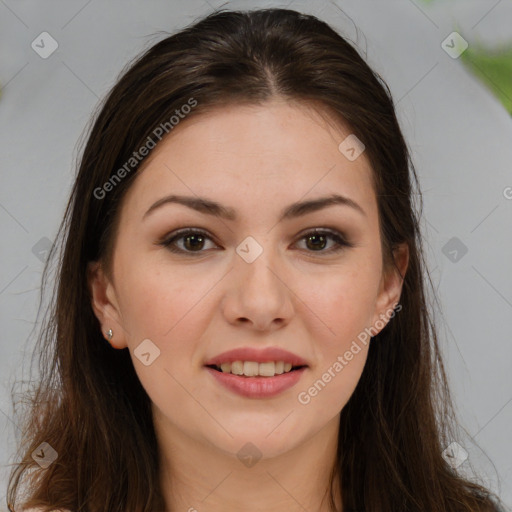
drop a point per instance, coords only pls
(317, 240)
(193, 241)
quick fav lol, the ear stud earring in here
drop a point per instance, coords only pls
(109, 335)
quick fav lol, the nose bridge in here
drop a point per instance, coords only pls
(260, 294)
(257, 261)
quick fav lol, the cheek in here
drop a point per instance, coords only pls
(342, 303)
(166, 309)
(335, 377)
(343, 307)
(156, 301)
(329, 391)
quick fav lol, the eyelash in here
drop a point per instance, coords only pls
(338, 238)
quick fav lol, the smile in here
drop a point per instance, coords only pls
(255, 369)
(257, 386)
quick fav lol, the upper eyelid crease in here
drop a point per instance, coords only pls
(339, 237)
(298, 209)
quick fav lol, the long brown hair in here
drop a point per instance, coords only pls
(90, 406)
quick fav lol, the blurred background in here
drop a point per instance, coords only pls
(448, 64)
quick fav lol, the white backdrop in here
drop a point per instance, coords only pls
(459, 134)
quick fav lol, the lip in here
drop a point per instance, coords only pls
(257, 355)
(257, 387)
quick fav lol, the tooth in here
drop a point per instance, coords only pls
(267, 369)
(254, 369)
(237, 367)
(251, 368)
(225, 367)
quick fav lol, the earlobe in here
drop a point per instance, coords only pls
(104, 305)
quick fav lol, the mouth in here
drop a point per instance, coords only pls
(257, 373)
(256, 380)
(254, 369)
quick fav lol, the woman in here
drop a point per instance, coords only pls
(241, 232)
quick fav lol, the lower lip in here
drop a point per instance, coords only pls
(258, 387)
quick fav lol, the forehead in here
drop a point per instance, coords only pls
(278, 150)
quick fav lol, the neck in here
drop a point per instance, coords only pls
(198, 476)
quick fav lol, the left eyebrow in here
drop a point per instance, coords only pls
(302, 208)
(209, 207)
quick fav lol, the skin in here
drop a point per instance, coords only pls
(313, 302)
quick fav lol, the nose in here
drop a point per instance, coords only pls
(258, 294)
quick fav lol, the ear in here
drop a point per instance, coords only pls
(390, 287)
(104, 304)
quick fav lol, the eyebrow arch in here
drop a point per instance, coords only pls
(298, 209)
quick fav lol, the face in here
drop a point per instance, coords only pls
(309, 282)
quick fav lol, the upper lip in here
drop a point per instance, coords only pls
(258, 355)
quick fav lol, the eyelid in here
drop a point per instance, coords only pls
(342, 241)
(339, 237)
(177, 234)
